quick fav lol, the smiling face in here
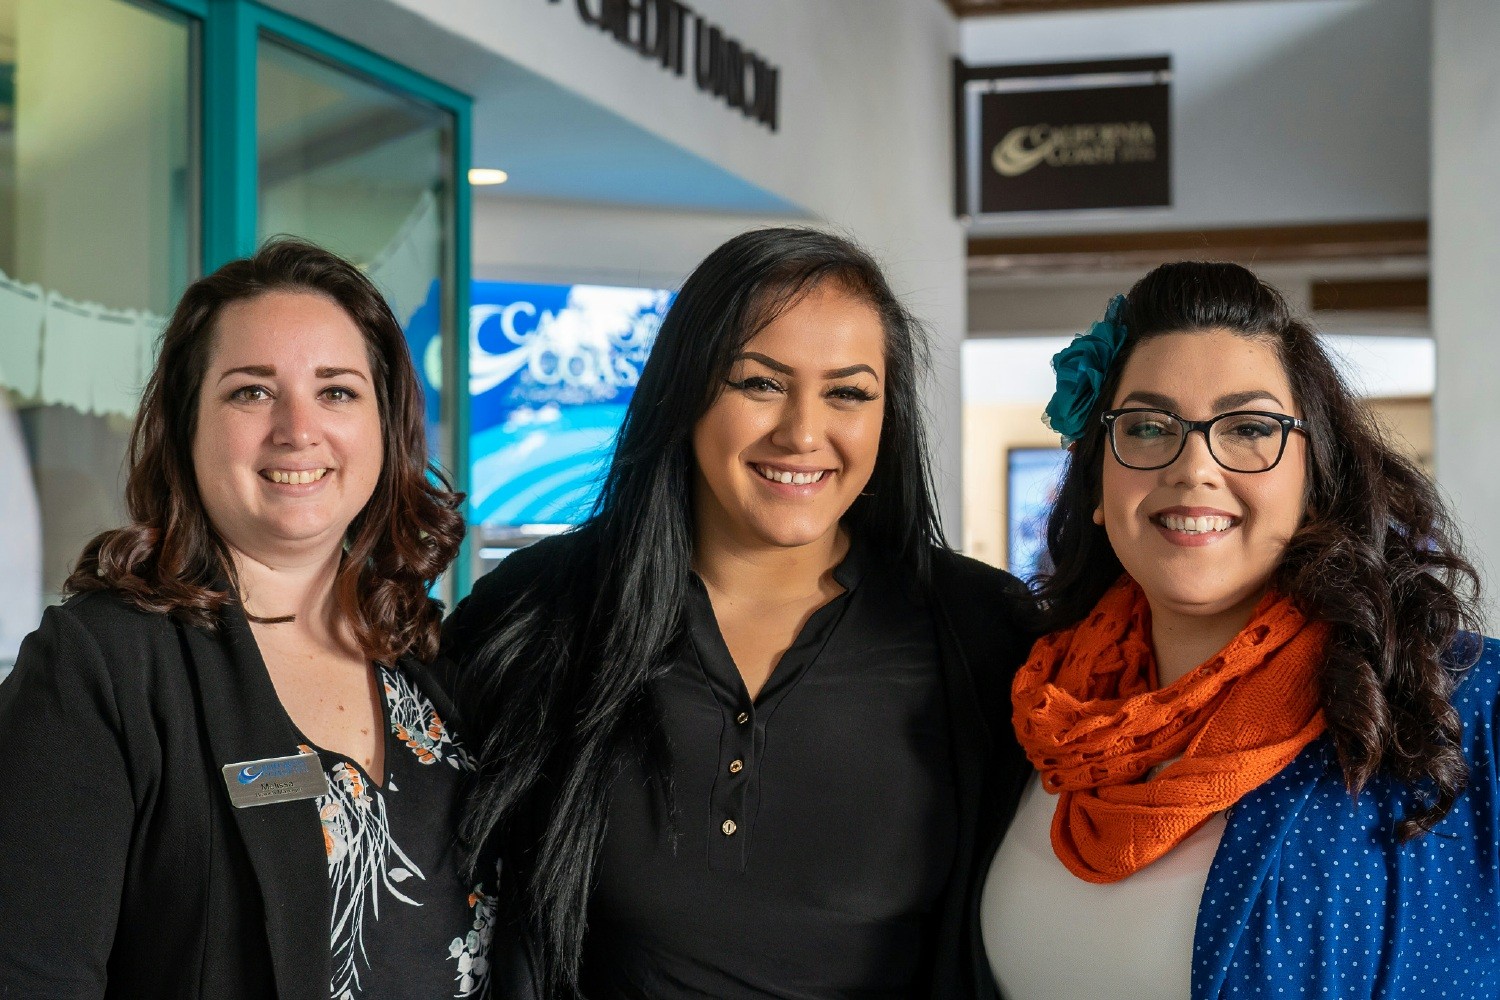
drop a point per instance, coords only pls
(792, 438)
(1201, 540)
(288, 444)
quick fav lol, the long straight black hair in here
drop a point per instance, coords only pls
(1377, 556)
(557, 691)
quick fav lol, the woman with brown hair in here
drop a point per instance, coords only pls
(226, 771)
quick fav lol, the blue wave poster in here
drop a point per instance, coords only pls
(551, 371)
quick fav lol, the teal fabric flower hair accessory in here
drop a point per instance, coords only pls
(1081, 368)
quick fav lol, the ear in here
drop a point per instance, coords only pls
(1099, 516)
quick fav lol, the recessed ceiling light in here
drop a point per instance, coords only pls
(480, 176)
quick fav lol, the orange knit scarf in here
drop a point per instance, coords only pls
(1090, 721)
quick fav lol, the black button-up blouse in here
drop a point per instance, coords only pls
(815, 827)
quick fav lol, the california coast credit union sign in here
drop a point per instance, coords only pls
(1065, 137)
(685, 43)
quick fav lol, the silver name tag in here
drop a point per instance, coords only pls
(275, 779)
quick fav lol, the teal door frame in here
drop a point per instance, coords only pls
(230, 31)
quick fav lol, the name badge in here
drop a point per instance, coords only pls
(275, 779)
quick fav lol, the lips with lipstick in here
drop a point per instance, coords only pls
(293, 477)
(791, 477)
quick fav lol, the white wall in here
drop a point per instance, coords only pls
(1283, 111)
(532, 240)
(865, 127)
(1465, 262)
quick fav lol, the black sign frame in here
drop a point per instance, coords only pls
(1073, 137)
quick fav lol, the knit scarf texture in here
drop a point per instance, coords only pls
(1092, 721)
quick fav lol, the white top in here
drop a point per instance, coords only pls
(1049, 935)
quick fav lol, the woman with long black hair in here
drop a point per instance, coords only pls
(736, 732)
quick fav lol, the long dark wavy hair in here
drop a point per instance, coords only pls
(169, 559)
(1377, 556)
(559, 688)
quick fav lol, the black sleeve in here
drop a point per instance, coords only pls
(536, 573)
(994, 617)
(496, 595)
(66, 814)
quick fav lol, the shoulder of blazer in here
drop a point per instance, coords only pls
(113, 659)
(130, 639)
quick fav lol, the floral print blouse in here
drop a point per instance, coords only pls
(403, 922)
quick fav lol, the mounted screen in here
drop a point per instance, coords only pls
(1032, 478)
(551, 371)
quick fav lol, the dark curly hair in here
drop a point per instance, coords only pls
(1377, 556)
(169, 559)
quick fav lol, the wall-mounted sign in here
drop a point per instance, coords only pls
(551, 370)
(1064, 136)
(672, 35)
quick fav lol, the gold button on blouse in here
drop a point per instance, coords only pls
(729, 828)
(736, 766)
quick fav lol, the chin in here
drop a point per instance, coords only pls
(1204, 598)
(305, 531)
(790, 536)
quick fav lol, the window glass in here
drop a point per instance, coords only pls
(98, 236)
(365, 172)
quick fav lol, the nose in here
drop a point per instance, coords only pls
(295, 423)
(800, 427)
(1195, 463)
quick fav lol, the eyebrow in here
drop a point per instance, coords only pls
(259, 371)
(269, 371)
(1230, 401)
(831, 373)
(340, 373)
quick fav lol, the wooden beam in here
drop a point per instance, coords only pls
(1262, 244)
(1375, 295)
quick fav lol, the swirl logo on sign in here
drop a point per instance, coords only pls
(589, 345)
(1027, 147)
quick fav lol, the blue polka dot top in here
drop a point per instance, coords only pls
(1311, 895)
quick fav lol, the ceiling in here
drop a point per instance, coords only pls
(554, 144)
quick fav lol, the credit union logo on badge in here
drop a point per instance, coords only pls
(275, 779)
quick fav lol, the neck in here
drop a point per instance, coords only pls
(767, 573)
(1182, 641)
(302, 587)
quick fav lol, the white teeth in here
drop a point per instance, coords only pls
(295, 478)
(1195, 525)
(790, 478)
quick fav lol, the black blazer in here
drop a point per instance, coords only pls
(981, 644)
(124, 870)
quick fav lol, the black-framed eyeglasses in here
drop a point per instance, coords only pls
(1240, 441)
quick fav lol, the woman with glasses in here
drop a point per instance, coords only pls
(1261, 723)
